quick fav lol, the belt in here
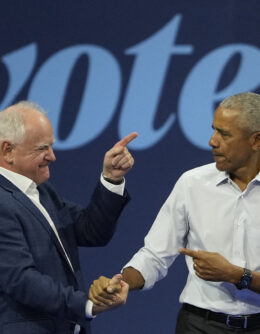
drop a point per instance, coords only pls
(233, 321)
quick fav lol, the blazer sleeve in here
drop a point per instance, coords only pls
(96, 224)
(92, 225)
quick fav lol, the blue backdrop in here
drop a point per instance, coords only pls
(105, 68)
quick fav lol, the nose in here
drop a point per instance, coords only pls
(51, 156)
(213, 142)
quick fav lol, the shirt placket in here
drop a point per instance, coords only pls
(239, 233)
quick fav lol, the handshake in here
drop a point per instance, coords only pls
(107, 294)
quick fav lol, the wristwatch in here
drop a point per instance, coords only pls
(245, 280)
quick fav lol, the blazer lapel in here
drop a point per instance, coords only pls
(52, 211)
(26, 202)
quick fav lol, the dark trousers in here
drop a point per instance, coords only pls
(190, 323)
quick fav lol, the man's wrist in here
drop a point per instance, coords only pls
(234, 274)
(116, 182)
(89, 309)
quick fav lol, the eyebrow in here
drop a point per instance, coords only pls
(219, 129)
(44, 145)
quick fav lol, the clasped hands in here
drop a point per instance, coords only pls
(107, 294)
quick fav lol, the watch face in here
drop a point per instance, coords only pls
(246, 281)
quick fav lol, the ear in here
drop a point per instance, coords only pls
(255, 140)
(7, 150)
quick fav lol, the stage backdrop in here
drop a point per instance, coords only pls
(105, 68)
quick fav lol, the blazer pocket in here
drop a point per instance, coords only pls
(30, 327)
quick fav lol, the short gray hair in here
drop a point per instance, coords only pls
(249, 105)
(12, 121)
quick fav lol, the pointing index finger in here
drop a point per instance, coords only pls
(188, 252)
(127, 139)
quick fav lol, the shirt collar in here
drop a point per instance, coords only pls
(257, 178)
(26, 185)
(223, 177)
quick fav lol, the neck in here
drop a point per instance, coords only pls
(244, 176)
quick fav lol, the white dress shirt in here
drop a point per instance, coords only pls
(206, 210)
(29, 188)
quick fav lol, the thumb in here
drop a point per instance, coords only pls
(114, 284)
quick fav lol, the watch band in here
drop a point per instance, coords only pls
(245, 280)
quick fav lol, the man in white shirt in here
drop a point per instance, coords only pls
(211, 216)
(41, 288)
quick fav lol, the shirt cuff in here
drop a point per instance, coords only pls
(88, 309)
(114, 188)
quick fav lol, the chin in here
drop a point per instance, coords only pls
(221, 168)
(42, 180)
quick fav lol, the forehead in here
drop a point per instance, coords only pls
(38, 129)
(226, 118)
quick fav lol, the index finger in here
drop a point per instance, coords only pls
(189, 252)
(127, 139)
